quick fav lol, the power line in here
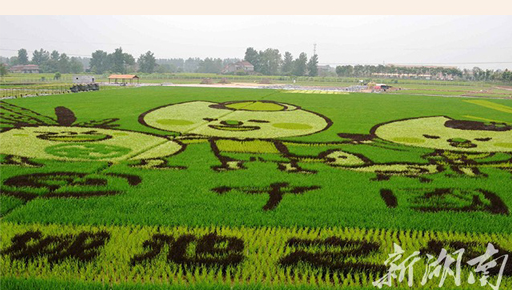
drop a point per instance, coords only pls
(430, 63)
(73, 42)
(6, 49)
(379, 48)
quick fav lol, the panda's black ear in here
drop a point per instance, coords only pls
(65, 117)
(476, 125)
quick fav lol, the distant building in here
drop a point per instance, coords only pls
(83, 79)
(403, 75)
(123, 78)
(420, 66)
(25, 69)
(238, 66)
(324, 70)
(428, 75)
(382, 87)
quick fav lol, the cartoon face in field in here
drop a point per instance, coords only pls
(243, 119)
(84, 144)
(448, 134)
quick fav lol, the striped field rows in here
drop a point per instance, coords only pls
(327, 257)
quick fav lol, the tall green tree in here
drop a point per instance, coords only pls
(40, 57)
(147, 62)
(3, 70)
(13, 60)
(54, 55)
(507, 76)
(478, 73)
(210, 65)
(344, 70)
(287, 63)
(63, 64)
(118, 61)
(313, 66)
(129, 63)
(22, 56)
(191, 64)
(166, 68)
(270, 60)
(52, 65)
(75, 66)
(99, 62)
(300, 65)
(252, 56)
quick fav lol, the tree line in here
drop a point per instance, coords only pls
(118, 61)
(193, 65)
(391, 71)
(99, 62)
(271, 62)
(49, 62)
(265, 62)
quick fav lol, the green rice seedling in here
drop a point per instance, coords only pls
(340, 256)
(317, 199)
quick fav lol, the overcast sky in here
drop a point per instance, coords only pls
(464, 41)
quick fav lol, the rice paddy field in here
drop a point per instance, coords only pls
(224, 188)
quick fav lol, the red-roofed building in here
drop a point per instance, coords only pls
(25, 69)
(239, 66)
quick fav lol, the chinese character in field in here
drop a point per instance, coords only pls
(483, 267)
(441, 266)
(398, 270)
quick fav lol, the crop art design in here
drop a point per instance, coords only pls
(465, 147)
(332, 258)
(33, 245)
(210, 251)
(240, 127)
(276, 191)
(332, 254)
(241, 119)
(65, 184)
(241, 132)
(253, 193)
(461, 148)
(28, 135)
(445, 199)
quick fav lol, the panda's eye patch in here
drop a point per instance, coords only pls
(258, 121)
(431, 136)
(209, 119)
(483, 139)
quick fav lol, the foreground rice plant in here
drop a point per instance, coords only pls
(327, 257)
(181, 187)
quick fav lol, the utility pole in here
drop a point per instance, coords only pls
(314, 48)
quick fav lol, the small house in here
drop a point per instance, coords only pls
(239, 66)
(78, 79)
(382, 87)
(25, 69)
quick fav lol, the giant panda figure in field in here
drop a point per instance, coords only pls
(241, 128)
(463, 146)
(27, 135)
(236, 128)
